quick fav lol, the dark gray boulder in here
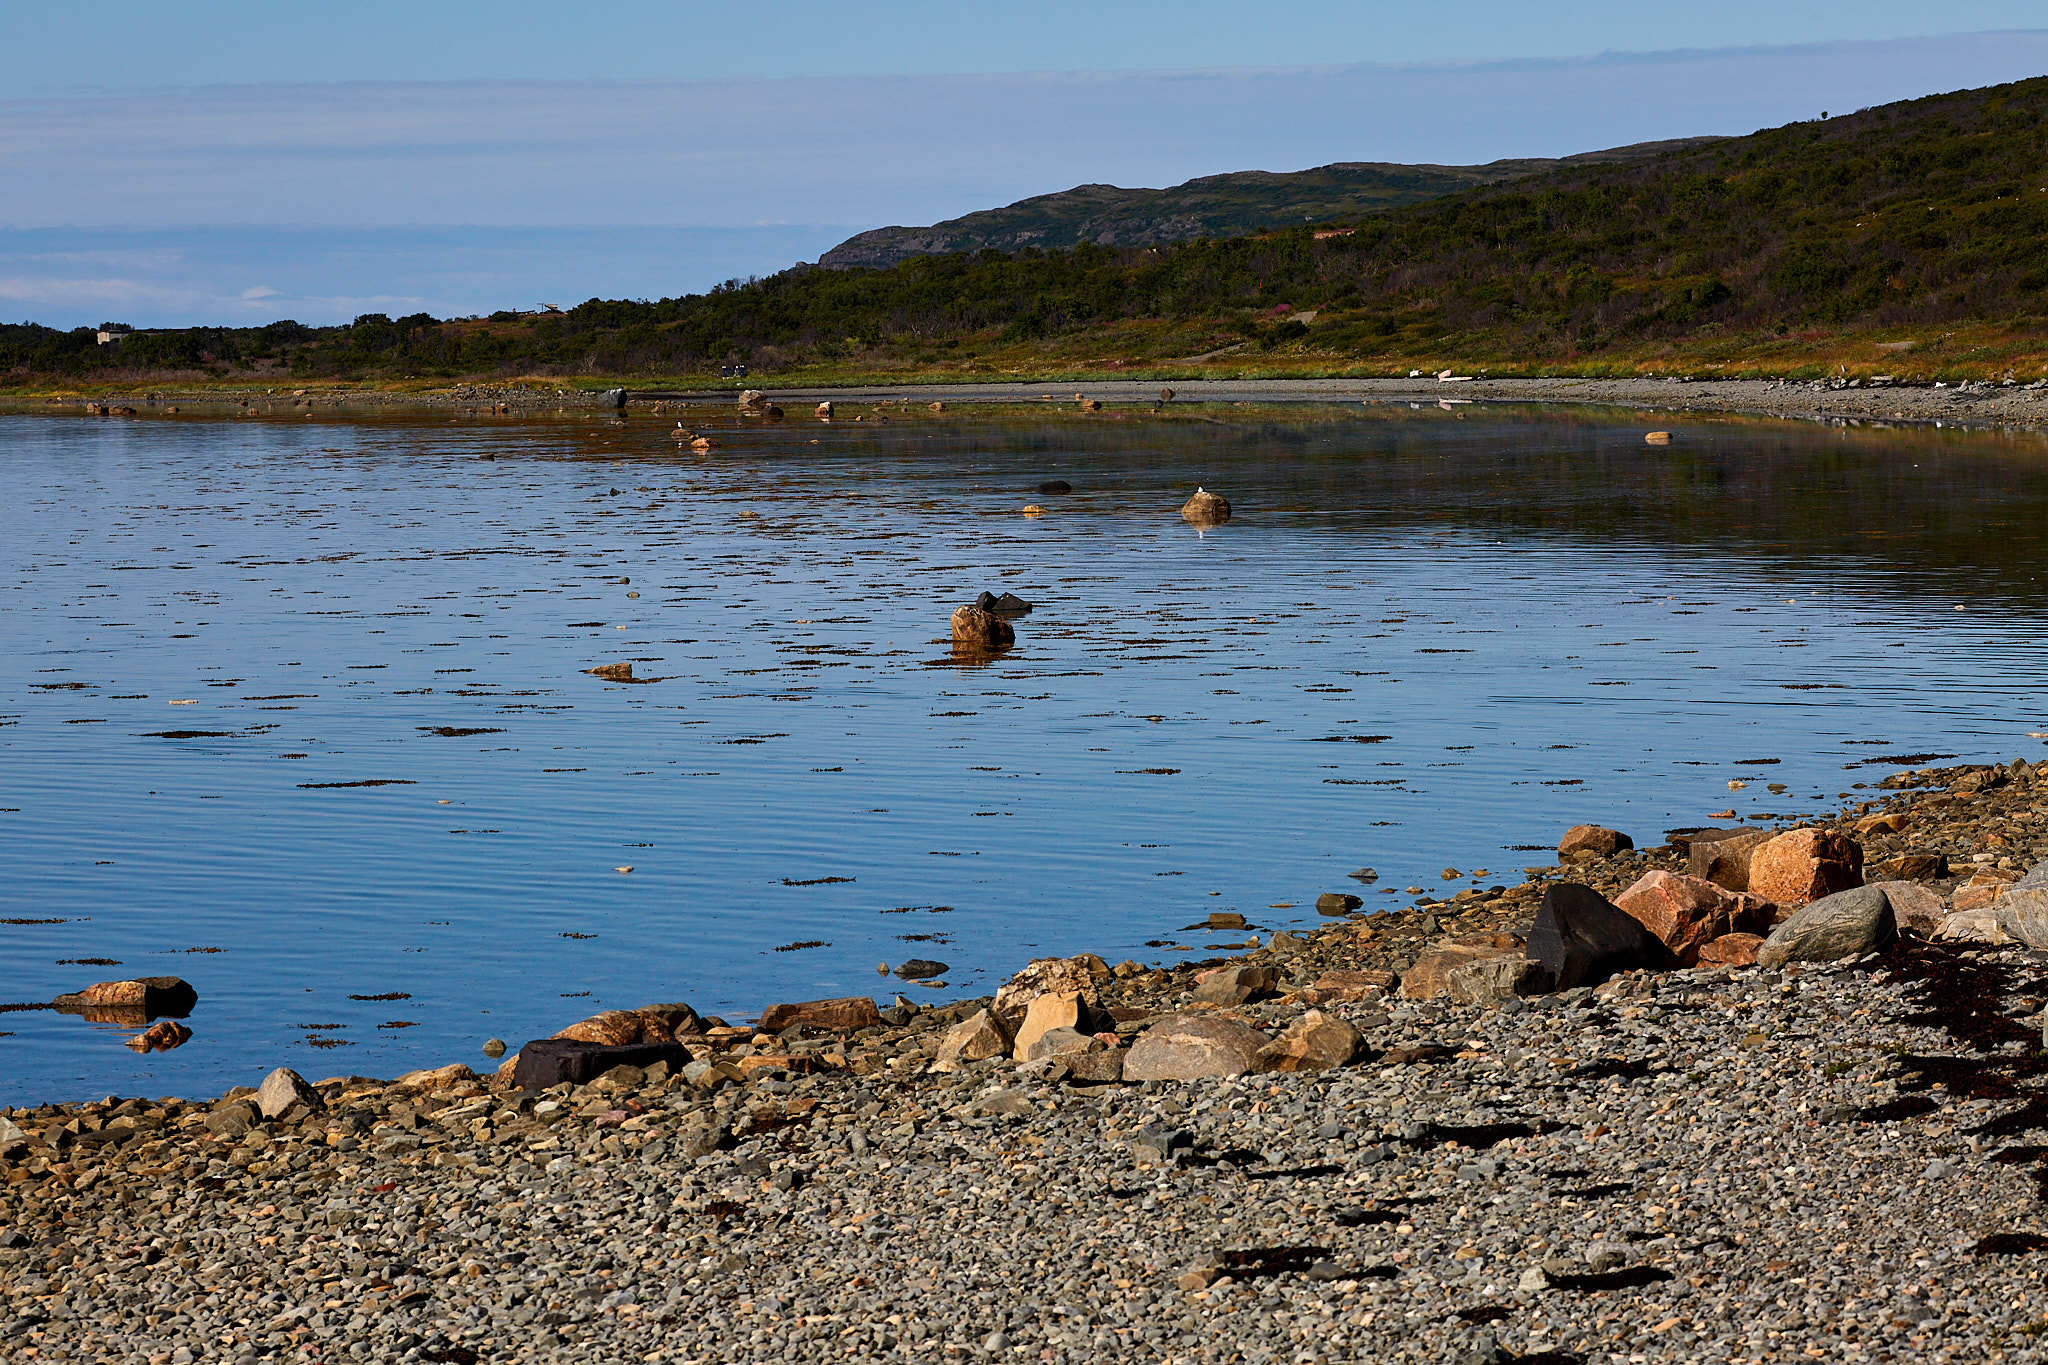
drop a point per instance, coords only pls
(1580, 938)
(550, 1061)
(1844, 925)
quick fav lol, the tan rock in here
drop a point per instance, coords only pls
(161, 1036)
(842, 1015)
(282, 1089)
(823, 412)
(1061, 1042)
(1972, 926)
(1236, 985)
(1889, 822)
(1592, 841)
(1687, 913)
(1909, 867)
(1061, 1010)
(1099, 1067)
(1492, 979)
(1192, 1047)
(614, 1028)
(1206, 508)
(1731, 950)
(435, 1078)
(1049, 976)
(1803, 865)
(148, 995)
(977, 1038)
(1314, 1042)
(1430, 976)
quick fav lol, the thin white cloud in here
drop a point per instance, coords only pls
(867, 151)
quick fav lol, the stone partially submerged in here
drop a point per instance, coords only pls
(1205, 508)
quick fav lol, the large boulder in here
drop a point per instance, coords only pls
(1050, 976)
(1803, 865)
(844, 1014)
(976, 1038)
(2023, 915)
(282, 1089)
(1206, 508)
(1581, 938)
(1722, 856)
(1314, 1042)
(976, 629)
(551, 1061)
(1192, 1047)
(621, 1028)
(1592, 841)
(1844, 925)
(1687, 913)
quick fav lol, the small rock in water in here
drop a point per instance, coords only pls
(1055, 486)
(1206, 508)
(1337, 902)
(920, 968)
(494, 1047)
(980, 629)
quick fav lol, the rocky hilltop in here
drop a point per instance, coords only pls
(1228, 205)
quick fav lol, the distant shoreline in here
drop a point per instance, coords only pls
(1975, 405)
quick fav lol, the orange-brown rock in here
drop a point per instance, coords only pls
(1592, 841)
(1687, 913)
(1731, 950)
(1314, 1042)
(1804, 865)
(1983, 889)
(842, 1015)
(624, 1028)
(1061, 1010)
(150, 995)
(161, 1036)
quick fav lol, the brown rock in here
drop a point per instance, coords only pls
(977, 1038)
(1352, 986)
(1890, 822)
(1338, 903)
(1091, 405)
(1804, 865)
(1099, 1067)
(615, 1028)
(1314, 1042)
(842, 1015)
(161, 1036)
(1687, 913)
(1916, 907)
(1049, 976)
(434, 1078)
(1191, 1047)
(621, 672)
(823, 412)
(974, 628)
(1430, 976)
(1722, 856)
(1236, 985)
(1206, 508)
(1592, 841)
(1731, 950)
(1911, 867)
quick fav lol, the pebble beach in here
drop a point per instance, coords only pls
(1822, 1159)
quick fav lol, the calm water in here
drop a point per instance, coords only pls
(1430, 640)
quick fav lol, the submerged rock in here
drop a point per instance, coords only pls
(976, 628)
(1206, 508)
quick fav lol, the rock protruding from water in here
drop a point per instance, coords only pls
(980, 630)
(1205, 509)
(1192, 1048)
(1592, 841)
(615, 398)
(823, 412)
(151, 996)
(282, 1089)
(1846, 924)
(1581, 938)
(1055, 486)
(1803, 865)
(1008, 604)
(753, 400)
(619, 672)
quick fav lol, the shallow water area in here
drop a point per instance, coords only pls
(297, 709)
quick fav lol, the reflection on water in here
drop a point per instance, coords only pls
(304, 712)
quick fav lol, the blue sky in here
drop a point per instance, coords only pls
(237, 162)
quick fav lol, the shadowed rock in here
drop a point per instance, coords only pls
(1581, 938)
(149, 996)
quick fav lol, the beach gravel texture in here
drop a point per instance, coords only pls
(1831, 1160)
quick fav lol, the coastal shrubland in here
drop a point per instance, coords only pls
(1903, 239)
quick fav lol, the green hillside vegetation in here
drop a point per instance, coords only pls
(1229, 205)
(1907, 239)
